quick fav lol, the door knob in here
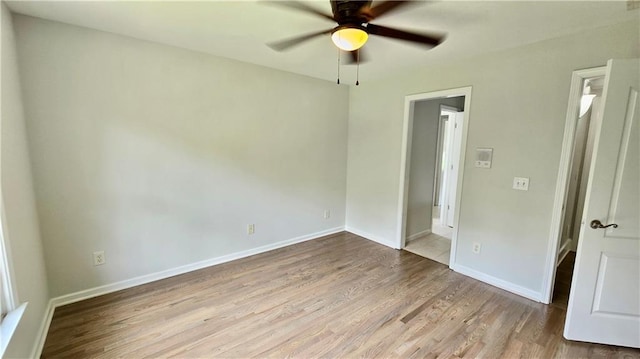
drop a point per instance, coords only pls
(596, 224)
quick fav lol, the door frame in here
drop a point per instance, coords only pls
(562, 183)
(441, 143)
(407, 133)
(439, 148)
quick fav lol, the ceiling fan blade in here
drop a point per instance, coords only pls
(288, 43)
(429, 40)
(301, 7)
(384, 7)
(357, 55)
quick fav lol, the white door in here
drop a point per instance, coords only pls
(604, 304)
(455, 130)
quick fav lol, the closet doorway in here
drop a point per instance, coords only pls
(587, 122)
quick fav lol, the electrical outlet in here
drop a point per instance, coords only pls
(251, 228)
(98, 258)
(327, 214)
(521, 183)
(476, 247)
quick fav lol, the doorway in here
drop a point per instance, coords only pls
(588, 121)
(431, 173)
(583, 120)
(439, 224)
(446, 173)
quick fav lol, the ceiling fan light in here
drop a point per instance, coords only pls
(349, 38)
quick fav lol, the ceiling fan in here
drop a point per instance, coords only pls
(354, 27)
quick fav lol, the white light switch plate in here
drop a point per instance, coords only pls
(521, 183)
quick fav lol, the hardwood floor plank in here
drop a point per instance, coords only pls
(337, 296)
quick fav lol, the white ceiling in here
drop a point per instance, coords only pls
(240, 29)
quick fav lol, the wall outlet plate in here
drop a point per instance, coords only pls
(476, 247)
(98, 258)
(521, 183)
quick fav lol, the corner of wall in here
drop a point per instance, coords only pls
(20, 221)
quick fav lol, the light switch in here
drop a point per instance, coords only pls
(521, 183)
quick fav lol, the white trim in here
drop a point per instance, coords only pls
(562, 182)
(449, 108)
(8, 289)
(437, 180)
(371, 237)
(405, 157)
(497, 282)
(419, 234)
(148, 278)
(463, 151)
(439, 149)
(563, 255)
(9, 286)
(36, 352)
(9, 326)
(563, 251)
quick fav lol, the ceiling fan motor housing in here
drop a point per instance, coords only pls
(354, 25)
(349, 12)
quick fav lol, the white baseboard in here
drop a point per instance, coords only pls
(113, 287)
(419, 234)
(371, 237)
(105, 289)
(109, 288)
(42, 332)
(497, 282)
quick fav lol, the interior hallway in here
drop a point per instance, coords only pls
(435, 245)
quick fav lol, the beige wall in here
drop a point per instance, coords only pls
(21, 231)
(518, 108)
(161, 156)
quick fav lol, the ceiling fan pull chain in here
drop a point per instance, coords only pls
(338, 66)
(357, 67)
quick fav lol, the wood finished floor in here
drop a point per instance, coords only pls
(562, 286)
(336, 297)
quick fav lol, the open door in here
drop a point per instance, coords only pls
(604, 304)
(455, 124)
